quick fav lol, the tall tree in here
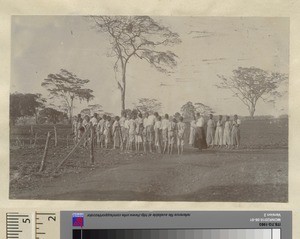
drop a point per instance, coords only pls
(148, 105)
(68, 87)
(188, 110)
(22, 105)
(51, 115)
(252, 84)
(137, 36)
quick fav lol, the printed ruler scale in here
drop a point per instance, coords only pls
(46, 225)
(19, 225)
(36, 225)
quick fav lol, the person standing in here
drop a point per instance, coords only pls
(210, 131)
(145, 123)
(235, 132)
(98, 131)
(86, 124)
(139, 132)
(94, 122)
(157, 130)
(180, 135)
(117, 133)
(126, 132)
(227, 133)
(131, 131)
(150, 130)
(101, 126)
(219, 132)
(164, 127)
(171, 135)
(94, 119)
(200, 141)
(192, 132)
(107, 132)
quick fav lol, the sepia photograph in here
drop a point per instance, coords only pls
(149, 108)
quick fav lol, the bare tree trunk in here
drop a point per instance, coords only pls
(123, 99)
(252, 111)
(123, 89)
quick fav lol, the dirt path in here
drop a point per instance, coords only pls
(208, 176)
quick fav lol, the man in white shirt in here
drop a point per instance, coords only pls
(94, 119)
(151, 120)
(94, 122)
(200, 121)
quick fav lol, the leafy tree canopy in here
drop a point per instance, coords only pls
(252, 84)
(148, 105)
(68, 87)
(22, 105)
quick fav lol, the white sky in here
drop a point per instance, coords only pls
(44, 44)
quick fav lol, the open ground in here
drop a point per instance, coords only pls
(257, 172)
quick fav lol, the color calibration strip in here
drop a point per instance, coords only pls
(176, 234)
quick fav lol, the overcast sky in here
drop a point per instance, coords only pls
(210, 46)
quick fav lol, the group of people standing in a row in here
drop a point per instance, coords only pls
(221, 133)
(152, 131)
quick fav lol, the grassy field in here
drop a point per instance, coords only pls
(256, 172)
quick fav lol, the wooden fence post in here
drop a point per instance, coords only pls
(45, 152)
(55, 136)
(35, 138)
(31, 134)
(76, 145)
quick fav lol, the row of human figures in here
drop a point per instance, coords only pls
(152, 132)
(220, 133)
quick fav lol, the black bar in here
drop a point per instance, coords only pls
(77, 234)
